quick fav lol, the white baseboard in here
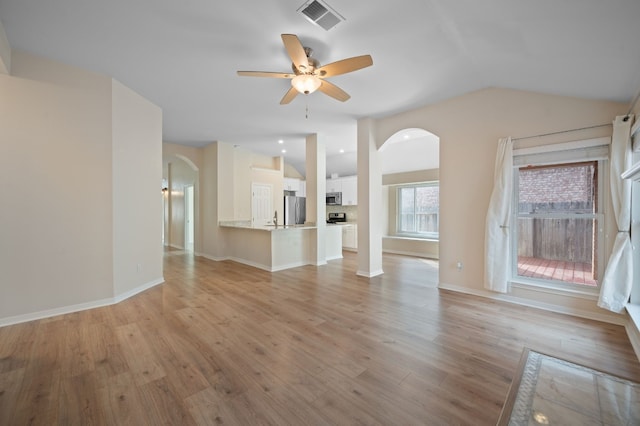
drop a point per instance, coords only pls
(618, 320)
(120, 297)
(214, 258)
(175, 246)
(48, 313)
(370, 274)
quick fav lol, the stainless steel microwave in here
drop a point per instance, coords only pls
(334, 198)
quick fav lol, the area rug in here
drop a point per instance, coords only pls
(552, 391)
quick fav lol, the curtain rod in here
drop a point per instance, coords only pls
(560, 132)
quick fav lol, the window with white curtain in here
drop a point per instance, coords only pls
(418, 209)
(559, 215)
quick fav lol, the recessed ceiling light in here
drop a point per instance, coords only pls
(406, 135)
(280, 141)
(284, 150)
(342, 151)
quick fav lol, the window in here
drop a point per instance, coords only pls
(559, 216)
(418, 206)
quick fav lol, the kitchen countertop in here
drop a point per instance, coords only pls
(245, 224)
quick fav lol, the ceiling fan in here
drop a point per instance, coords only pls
(308, 76)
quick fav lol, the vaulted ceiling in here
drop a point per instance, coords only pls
(183, 56)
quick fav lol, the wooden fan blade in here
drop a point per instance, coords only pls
(295, 51)
(288, 97)
(346, 65)
(333, 91)
(265, 74)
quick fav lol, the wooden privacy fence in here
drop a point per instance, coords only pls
(568, 239)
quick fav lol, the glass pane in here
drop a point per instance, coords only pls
(407, 206)
(407, 203)
(427, 203)
(566, 188)
(558, 249)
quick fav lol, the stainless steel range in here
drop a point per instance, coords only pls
(337, 217)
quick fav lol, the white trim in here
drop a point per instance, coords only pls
(548, 287)
(566, 146)
(262, 169)
(402, 237)
(410, 253)
(214, 258)
(618, 320)
(370, 274)
(78, 307)
(633, 327)
(127, 294)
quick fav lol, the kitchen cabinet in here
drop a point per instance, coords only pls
(348, 186)
(350, 191)
(350, 237)
(334, 185)
(291, 184)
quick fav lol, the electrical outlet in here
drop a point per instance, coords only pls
(459, 265)
(139, 267)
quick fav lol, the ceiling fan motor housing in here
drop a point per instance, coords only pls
(313, 64)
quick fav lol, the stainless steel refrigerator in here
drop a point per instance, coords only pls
(295, 210)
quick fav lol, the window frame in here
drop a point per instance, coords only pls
(418, 235)
(575, 152)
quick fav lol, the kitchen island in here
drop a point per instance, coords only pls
(275, 248)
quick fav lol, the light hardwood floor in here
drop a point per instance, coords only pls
(223, 343)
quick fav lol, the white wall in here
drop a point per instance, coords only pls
(55, 160)
(57, 222)
(137, 196)
(469, 127)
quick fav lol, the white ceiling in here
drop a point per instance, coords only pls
(183, 56)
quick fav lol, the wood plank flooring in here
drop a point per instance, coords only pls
(223, 343)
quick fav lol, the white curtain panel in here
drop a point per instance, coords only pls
(618, 274)
(497, 244)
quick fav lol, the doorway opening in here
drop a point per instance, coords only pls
(189, 231)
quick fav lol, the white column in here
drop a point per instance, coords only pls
(369, 202)
(316, 165)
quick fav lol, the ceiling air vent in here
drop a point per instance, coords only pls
(321, 14)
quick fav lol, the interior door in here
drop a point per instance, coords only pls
(261, 204)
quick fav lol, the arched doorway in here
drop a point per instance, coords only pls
(181, 203)
(410, 163)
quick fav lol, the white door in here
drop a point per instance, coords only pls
(261, 204)
(188, 218)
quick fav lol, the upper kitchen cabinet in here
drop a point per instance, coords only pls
(348, 186)
(334, 185)
(291, 184)
(349, 191)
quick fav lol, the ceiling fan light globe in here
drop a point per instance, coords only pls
(306, 83)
